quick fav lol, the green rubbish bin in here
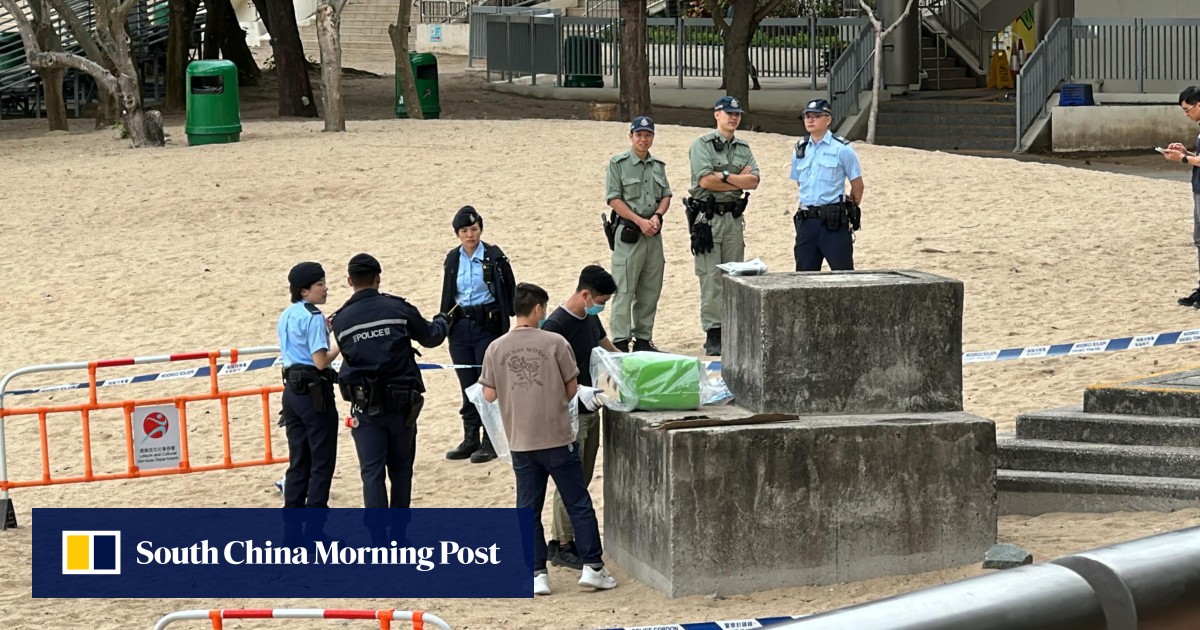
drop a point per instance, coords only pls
(212, 102)
(662, 381)
(12, 50)
(582, 62)
(425, 71)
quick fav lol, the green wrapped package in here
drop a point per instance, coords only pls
(662, 381)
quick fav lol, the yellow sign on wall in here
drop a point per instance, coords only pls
(1024, 39)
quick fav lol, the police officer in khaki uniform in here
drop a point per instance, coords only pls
(636, 189)
(723, 168)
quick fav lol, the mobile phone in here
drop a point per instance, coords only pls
(1160, 149)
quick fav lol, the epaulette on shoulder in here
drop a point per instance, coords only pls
(618, 157)
(312, 308)
(841, 139)
(394, 297)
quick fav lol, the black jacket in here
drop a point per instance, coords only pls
(375, 332)
(497, 274)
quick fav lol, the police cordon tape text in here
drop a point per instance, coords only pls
(1116, 344)
(238, 552)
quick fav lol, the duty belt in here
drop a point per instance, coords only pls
(478, 312)
(724, 207)
(818, 212)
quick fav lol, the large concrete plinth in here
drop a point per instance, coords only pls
(844, 342)
(1170, 394)
(752, 502)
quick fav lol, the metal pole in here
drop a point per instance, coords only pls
(532, 47)
(558, 50)
(679, 34)
(508, 45)
(814, 50)
(617, 54)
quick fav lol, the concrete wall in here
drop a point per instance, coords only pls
(452, 39)
(1137, 9)
(1119, 127)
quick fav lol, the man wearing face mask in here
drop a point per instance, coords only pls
(723, 168)
(636, 189)
(578, 322)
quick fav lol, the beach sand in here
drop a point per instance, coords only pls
(111, 252)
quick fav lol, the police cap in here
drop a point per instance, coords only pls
(641, 123)
(466, 217)
(363, 264)
(728, 104)
(818, 106)
(305, 275)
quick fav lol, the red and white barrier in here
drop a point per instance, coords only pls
(384, 617)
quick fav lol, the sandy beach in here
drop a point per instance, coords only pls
(111, 252)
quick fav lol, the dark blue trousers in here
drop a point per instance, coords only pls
(815, 242)
(468, 342)
(386, 448)
(562, 464)
(312, 450)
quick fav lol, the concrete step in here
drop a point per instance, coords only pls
(930, 63)
(1072, 424)
(941, 106)
(1104, 459)
(1175, 394)
(928, 41)
(957, 132)
(949, 84)
(890, 118)
(953, 72)
(948, 144)
(1034, 492)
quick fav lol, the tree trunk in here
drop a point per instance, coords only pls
(738, 35)
(295, 90)
(876, 84)
(179, 42)
(329, 23)
(108, 110)
(52, 78)
(398, 32)
(635, 69)
(263, 14)
(234, 47)
(214, 28)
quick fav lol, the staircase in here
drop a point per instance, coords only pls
(365, 40)
(942, 72)
(1121, 450)
(947, 124)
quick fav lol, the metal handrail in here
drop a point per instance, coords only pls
(1050, 64)
(941, 15)
(843, 94)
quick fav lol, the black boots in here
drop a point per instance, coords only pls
(622, 345)
(644, 345)
(469, 445)
(712, 342)
(486, 452)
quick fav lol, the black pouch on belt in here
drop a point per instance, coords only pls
(629, 232)
(414, 410)
(833, 216)
(610, 228)
(702, 238)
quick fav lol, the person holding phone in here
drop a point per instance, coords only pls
(1189, 101)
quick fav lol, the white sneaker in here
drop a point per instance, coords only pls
(541, 584)
(597, 578)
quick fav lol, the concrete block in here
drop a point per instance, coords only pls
(1006, 556)
(844, 342)
(1172, 394)
(1032, 493)
(727, 501)
(1072, 424)
(1106, 459)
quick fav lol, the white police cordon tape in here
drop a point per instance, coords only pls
(1115, 344)
(732, 624)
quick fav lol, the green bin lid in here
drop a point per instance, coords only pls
(211, 68)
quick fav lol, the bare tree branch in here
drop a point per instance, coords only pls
(717, 17)
(766, 9)
(82, 35)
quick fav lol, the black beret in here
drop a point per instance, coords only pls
(305, 274)
(466, 216)
(363, 263)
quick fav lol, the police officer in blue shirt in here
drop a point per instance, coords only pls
(477, 292)
(309, 414)
(380, 378)
(827, 217)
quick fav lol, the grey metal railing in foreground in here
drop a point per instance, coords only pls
(1147, 584)
(1134, 51)
(1048, 67)
(850, 75)
(518, 45)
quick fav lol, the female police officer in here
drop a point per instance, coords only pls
(477, 292)
(309, 414)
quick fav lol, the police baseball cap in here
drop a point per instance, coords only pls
(305, 274)
(818, 106)
(363, 264)
(641, 123)
(729, 105)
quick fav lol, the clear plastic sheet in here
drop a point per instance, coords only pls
(655, 381)
(489, 413)
(754, 267)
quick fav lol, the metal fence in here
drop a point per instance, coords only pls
(675, 47)
(850, 74)
(962, 24)
(477, 18)
(444, 11)
(1134, 50)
